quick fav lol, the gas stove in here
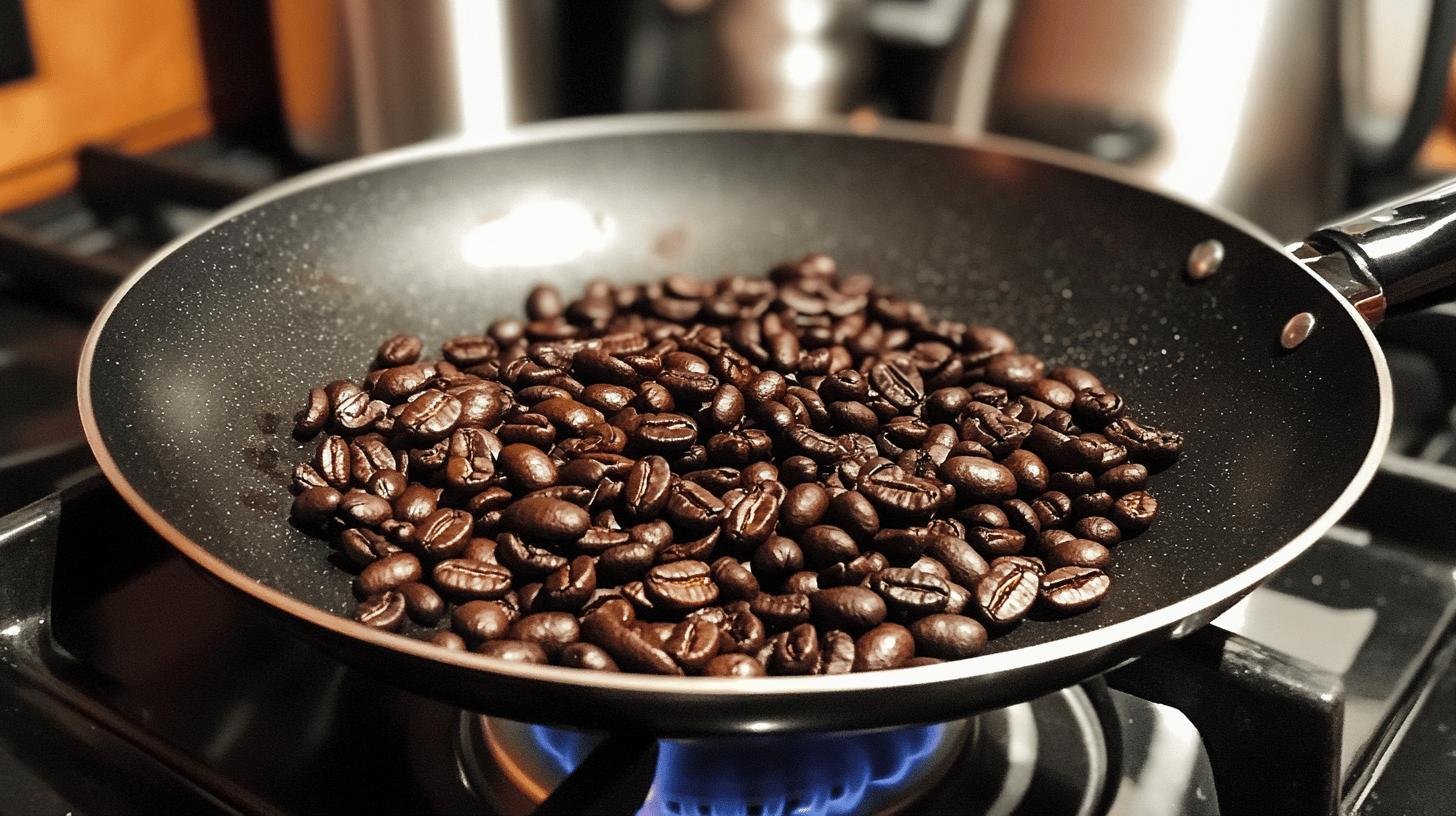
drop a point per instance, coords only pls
(131, 683)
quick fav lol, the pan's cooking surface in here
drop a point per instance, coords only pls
(200, 367)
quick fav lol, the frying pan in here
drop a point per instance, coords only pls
(195, 364)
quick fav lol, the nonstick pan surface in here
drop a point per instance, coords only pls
(195, 368)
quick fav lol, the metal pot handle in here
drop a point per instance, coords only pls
(1399, 255)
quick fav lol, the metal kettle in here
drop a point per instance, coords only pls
(1265, 107)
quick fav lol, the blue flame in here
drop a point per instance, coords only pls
(773, 775)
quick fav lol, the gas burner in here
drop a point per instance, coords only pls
(1048, 755)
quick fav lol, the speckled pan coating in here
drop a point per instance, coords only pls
(198, 369)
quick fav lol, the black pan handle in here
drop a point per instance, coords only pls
(1399, 254)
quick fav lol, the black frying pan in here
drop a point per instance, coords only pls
(194, 367)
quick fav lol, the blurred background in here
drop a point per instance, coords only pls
(1286, 112)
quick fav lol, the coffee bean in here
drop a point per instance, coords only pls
(753, 518)
(546, 519)
(734, 665)
(902, 388)
(444, 533)
(779, 612)
(777, 558)
(692, 643)
(996, 541)
(851, 608)
(569, 587)
(825, 544)
(527, 560)
(1092, 504)
(1145, 444)
(1098, 529)
(527, 467)
(470, 349)
(400, 349)
(949, 637)
(515, 651)
(315, 505)
(697, 549)
(462, 580)
(384, 611)
(1030, 471)
(1076, 552)
(1134, 512)
(544, 302)
(626, 561)
(965, 565)
(1007, 592)
(911, 591)
(1052, 508)
(446, 640)
(423, 604)
(430, 415)
(585, 656)
(364, 547)
(734, 581)
(1074, 588)
(550, 630)
(988, 426)
(803, 507)
(692, 507)
(627, 647)
(387, 485)
(666, 434)
(1123, 479)
(886, 646)
(978, 480)
(681, 585)
(415, 503)
(387, 573)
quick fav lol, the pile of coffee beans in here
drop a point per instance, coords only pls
(797, 474)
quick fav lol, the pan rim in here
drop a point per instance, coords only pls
(1023, 658)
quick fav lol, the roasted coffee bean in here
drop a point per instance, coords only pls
(1007, 592)
(949, 637)
(681, 585)
(978, 480)
(1076, 552)
(400, 349)
(528, 429)
(851, 608)
(693, 507)
(997, 432)
(886, 646)
(825, 544)
(542, 518)
(1123, 479)
(1145, 444)
(461, 580)
(803, 507)
(314, 415)
(387, 485)
(734, 665)
(1072, 483)
(1098, 529)
(735, 582)
(525, 559)
(626, 561)
(423, 604)
(665, 434)
(1095, 407)
(658, 533)
(569, 588)
(305, 477)
(389, 572)
(1074, 588)
(692, 643)
(550, 630)
(803, 581)
(1022, 517)
(1092, 504)
(852, 512)
(415, 503)
(585, 656)
(697, 549)
(904, 389)
(444, 533)
(469, 349)
(364, 547)
(965, 565)
(360, 508)
(1134, 512)
(430, 415)
(901, 545)
(446, 640)
(777, 558)
(383, 611)
(627, 647)
(1030, 471)
(752, 519)
(1052, 508)
(515, 651)
(332, 460)
(994, 541)
(893, 491)
(779, 612)
(911, 591)
(527, 467)
(315, 505)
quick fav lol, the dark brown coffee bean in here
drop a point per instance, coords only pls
(431, 415)
(692, 643)
(585, 656)
(1098, 529)
(734, 665)
(463, 580)
(1007, 592)
(527, 467)
(779, 612)
(1074, 589)
(383, 611)
(1072, 483)
(627, 647)
(1076, 552)
(664, 434)
(546, 519)
(444, 533)
(901, 545)
(569, 588)
(424, 605)
(994, 541)
(681, 585)
(854, 513)
(1123, 479)
(752, 519)
(1145, 444)
(469, 349)
(515, 651)
(1134, 512)
(893, 491)
(851, 608)
(904, 389)
(364, 547)
(1030, 471)
(777, 558)
(550, 630)
(984, 515)
(314, 416)
(825, 544)
(415, 503)
(886, 646)
(697, 549)
(693, 507)
(965, 565)
(544, 302)
(387, 573)
(949, 637)
(387, 485)
(978, 480)
(525, 559)
(734, 580)
(911, 591)
(400, 349)
(332, 460)
(1052, 508)
(315, 505)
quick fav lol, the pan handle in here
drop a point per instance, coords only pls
(1401, 254)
